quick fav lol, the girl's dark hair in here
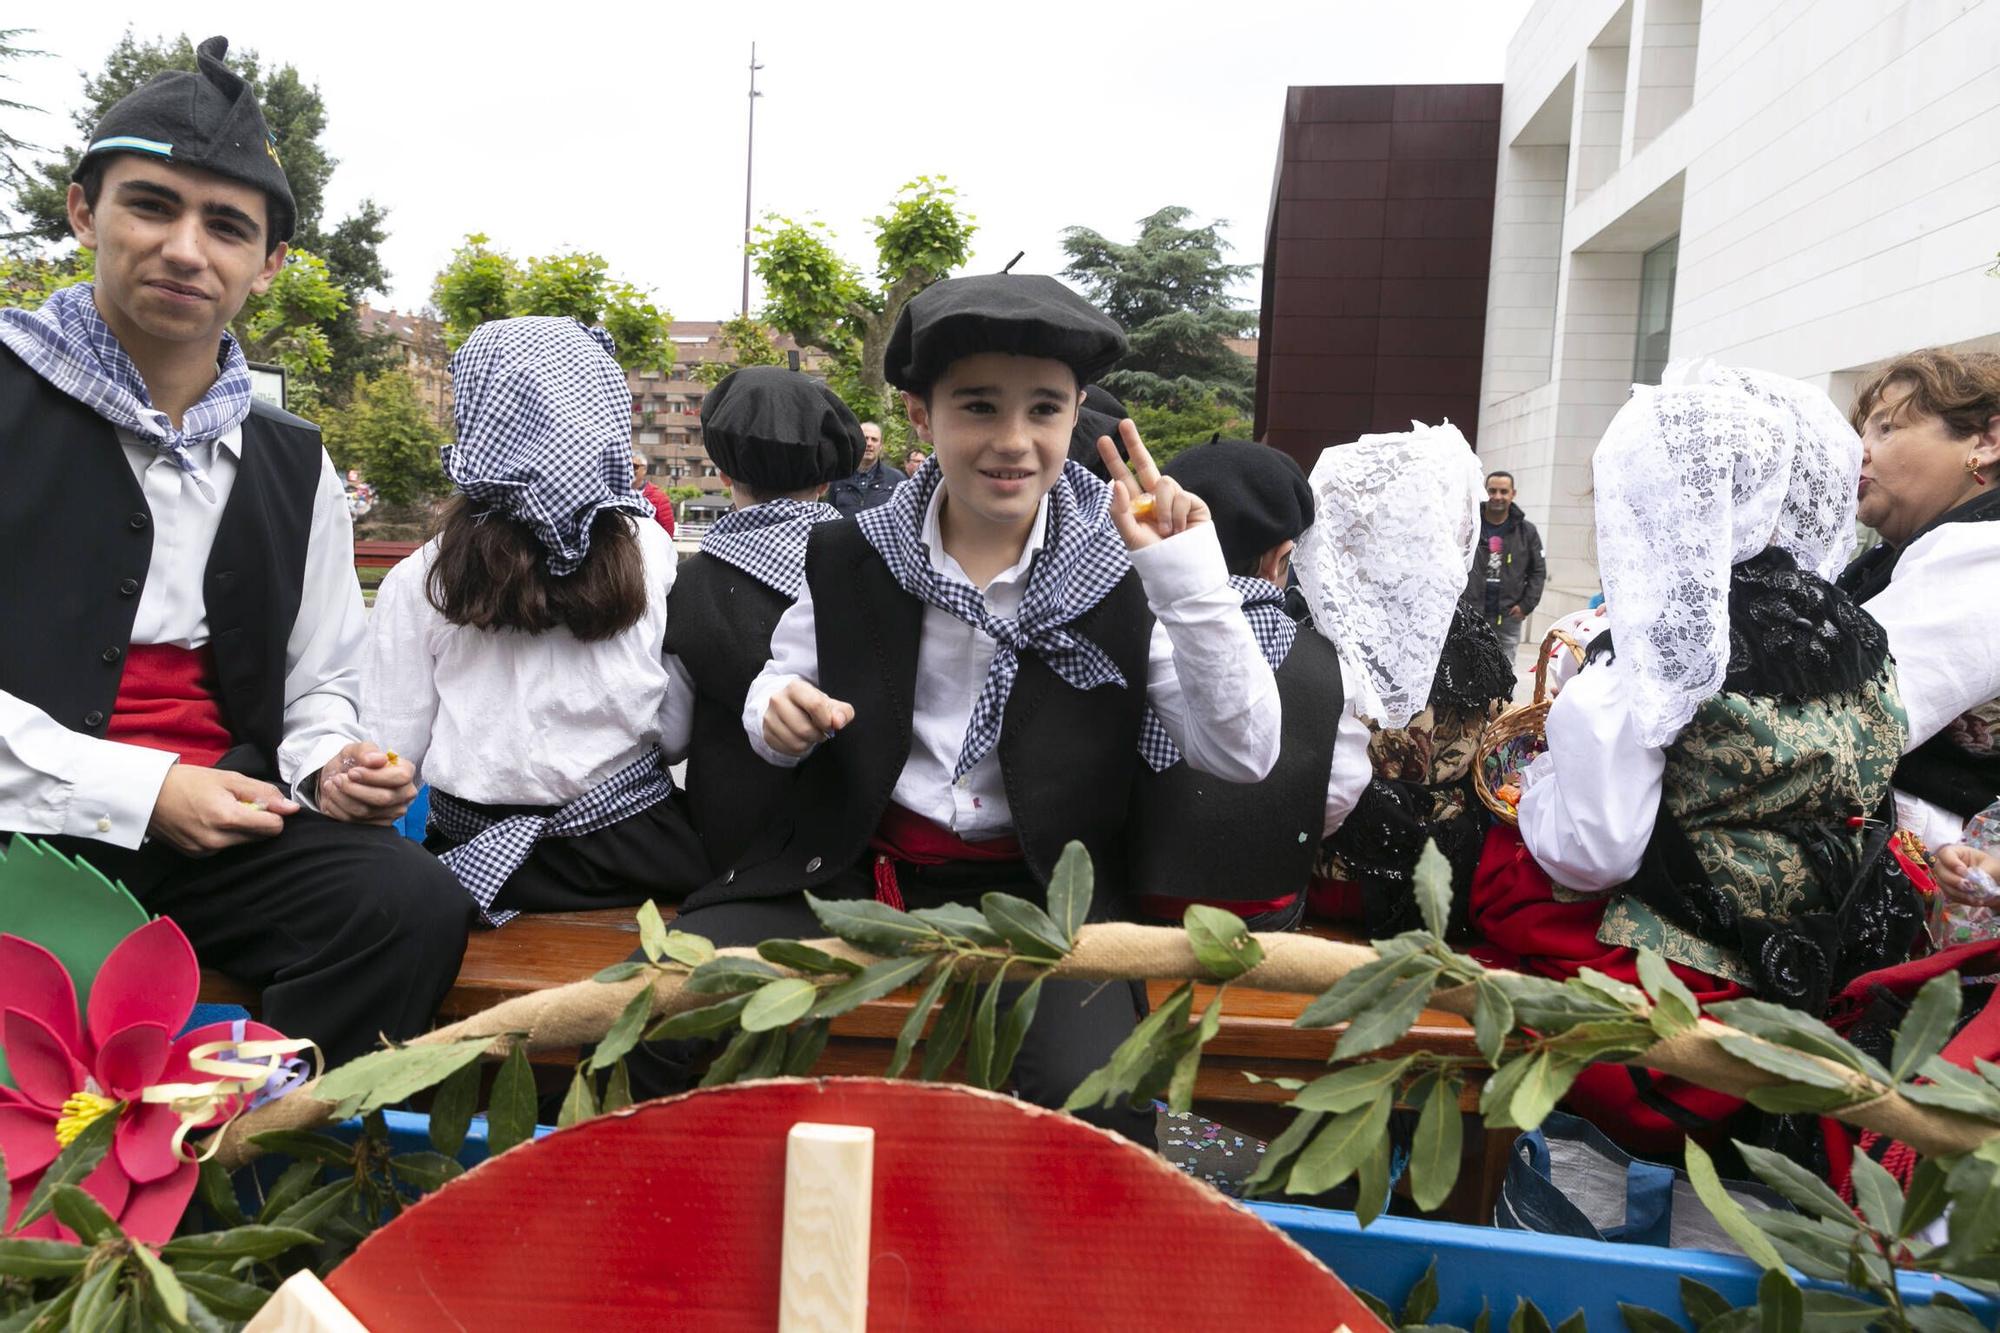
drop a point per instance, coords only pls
(490, 573)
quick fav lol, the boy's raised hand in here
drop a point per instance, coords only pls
(800, 716)
(1145, 507)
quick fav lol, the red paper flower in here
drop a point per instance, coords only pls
(68, 1073)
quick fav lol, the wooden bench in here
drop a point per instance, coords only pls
(377, 554)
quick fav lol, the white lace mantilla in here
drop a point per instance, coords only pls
(1396, 518)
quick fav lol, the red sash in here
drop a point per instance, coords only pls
(166, 701)
(905, 836)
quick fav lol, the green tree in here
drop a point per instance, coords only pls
(482, 283)
(15, 169)
(1169, 430)
(1169, 290)
(824, 301)
(287, 324)
(28, 278)
(385, 431)
(749, 344)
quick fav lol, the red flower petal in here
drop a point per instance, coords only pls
(154, 1209)
(28, 1138)
(151, 977)
(132, 1058)
(34, 981)
(42, 1066)
(145, 1142)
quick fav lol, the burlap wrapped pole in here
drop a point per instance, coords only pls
(582, 1012)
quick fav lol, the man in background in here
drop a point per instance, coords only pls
(1509, 568)
(872, 484)
(663, 507)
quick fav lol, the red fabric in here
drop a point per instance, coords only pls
(1333, 899)
(1527, 930)
(906, 836)
(663, 508)
(166, 701)
(1160, 907)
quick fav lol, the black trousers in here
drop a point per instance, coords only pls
(652, 854)
(1078, 1024)
(351, 932)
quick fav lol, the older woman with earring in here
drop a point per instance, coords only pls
(1930, 431)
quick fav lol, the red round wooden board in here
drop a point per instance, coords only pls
(988, 1214)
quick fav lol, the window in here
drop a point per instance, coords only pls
(1656, 311)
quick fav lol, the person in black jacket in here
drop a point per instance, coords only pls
(873, 480)
(1510, 567)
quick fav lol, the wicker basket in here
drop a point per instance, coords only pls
(1527, 720)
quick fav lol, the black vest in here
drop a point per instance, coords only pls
(719, 623)
(76, 539)
(1197, 836)
(1066, 755)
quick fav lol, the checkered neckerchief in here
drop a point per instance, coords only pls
(1264, 608)
(544, 420)
(1081, 560)
(491, 850)
(768, 541)
(68, 344)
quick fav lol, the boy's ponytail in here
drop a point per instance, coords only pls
(491, 573)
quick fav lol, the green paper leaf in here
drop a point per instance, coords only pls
(1391, 1016)
(510, 1116)
(1355, 1085)
(804, 958)
(225, 1296)
(251, 1242)
(876, 927)
(913, 1025)
(1437, 1147)
(425, 1171)
(731, 974)
(652, 932)
(1281, 1153)
(871, 983)
(779, 1004)
(1800, 1187)
(984, 1035)
(580, 1102)
(1492, 1020)
(1728, 1213)
(948, 1033)
(1014, 1031)
(625, 1031)
(687, 950)
(1336, 1152)
(41, 1258)
(452, 1108)
(1878, 1194)
(702, 1022)
(1222, 944)
(1431, 884)
(1927, 1027)
(803, 1046)
(388, 1077)
(1025, 926)
(72, 1164)
(962, 923)
(735, 1056)
(1071, 884)
(1422, 1302)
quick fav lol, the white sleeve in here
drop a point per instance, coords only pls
(57, 781)
(1206, 677)
(323, 655)
(676, 710)
(399, 694)
(1942, 632)
(794, 656)
(1587, 813)
(1351, 772)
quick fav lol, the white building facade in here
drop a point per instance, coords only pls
(1806, 186)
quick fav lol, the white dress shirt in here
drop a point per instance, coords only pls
(1352, 771)
(1206, 677)
(507, 718)
(1587, 806)
(57, 781)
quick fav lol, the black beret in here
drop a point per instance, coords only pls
(1101, 400)
(207, 119)
(1257, 496)
(775, 430)
(1021, 314)
(1083, 436)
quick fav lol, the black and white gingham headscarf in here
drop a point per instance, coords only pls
(544, 430)
(68, 344)
(768, 541)
(1082, 559)
(1264, 608)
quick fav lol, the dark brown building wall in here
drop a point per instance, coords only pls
(1375, 262)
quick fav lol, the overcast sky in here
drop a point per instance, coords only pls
(620, 128)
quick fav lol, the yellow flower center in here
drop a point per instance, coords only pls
(78, 1113)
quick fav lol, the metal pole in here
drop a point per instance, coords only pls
(749, 159)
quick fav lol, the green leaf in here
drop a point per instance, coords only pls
(652, 932)
(1025, 926)
(1422, 1302)
(1438, 1145)
(1358, 990)
(731, 974)
(300, 1145)
(876, 927)
(871, 983)
(1180, 1086)
(1391, 1016)
(1974, 1225)
(1071, 884)
(1798, 1030)
(166, 1289)
(311, 1213)
(1786, 1099)
(1801, 1187)
(291, 1185)
(218, 1194)
(1222, 944)
(768, 1056)
(1623, 995)
(1638, 1319)
(702, 1022)
(1608, 1040)
(1812, 1247)
(425, 1170)
(225, 1296)
(1527, 1318)
(84, 1215)
(96, 1298)
(389, 1077)
(1675, 1008)
(71, 1166)
(1371, 1183)
(1829, 1310)
(1878, 1194)
(1551, 1006)
(510, 1116)
(1431, 884)
(1729, 1213)
(1574, 1324)
(1939, 1318)
(913, 1025)
(251, 1242)
(725, 1067)
(984, 1034)
(1779, 1306)
(1702, 1302)
(580, 1102)
(1355, 1085)
(1288, 1084)
(803, 1047)
(618, 972)
(1925, 1201)
(452, 1108)
(948, 1033)
(1492, 1020)
(804, 958)
(41, 1258)
(779, 1004)
(687, 950)
(1785, 1062)
(1336, 1151)
(1281, 1153)
(1952, 1089)
(1523, 1091)
(1927, 1027)
(962, 923)
(1014, 1031)
(617, 1090)
(1141, 1051)
(625, 1032)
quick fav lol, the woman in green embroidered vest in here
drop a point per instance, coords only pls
(1715, 774)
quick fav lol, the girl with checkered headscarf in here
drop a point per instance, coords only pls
(516, 659)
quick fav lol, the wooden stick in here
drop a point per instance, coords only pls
(829, 1201)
